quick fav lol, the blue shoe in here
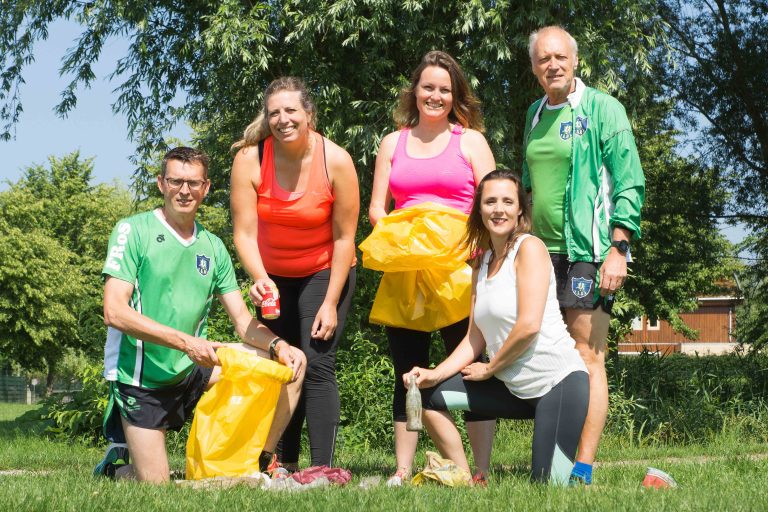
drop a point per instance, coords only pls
(578, 481)
(581, 475)
(115, 457)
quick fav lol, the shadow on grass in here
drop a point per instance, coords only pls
(29, 423)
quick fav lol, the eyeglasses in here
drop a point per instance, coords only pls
(176, 183)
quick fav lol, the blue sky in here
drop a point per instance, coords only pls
(91, 127)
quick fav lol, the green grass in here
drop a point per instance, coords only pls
(56, 476)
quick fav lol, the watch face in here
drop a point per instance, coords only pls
(622, 246)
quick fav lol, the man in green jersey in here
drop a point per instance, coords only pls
(583, 171)
(162, 272)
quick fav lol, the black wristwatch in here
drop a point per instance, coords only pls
(622, 246)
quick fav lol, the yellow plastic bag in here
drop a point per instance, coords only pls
(423, 300)
(233, 418)
(442, 471)
(427, 284)
(425, 236)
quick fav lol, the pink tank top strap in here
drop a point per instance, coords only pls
(402, 140)
(454, 145)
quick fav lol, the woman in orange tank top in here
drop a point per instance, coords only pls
(295, 203)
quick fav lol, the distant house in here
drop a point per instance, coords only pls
(715, 319)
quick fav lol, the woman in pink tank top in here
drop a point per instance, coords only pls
(439, 155)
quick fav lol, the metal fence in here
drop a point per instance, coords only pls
(18, 389)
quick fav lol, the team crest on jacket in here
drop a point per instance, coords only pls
(566, 130)
(203, 264)
(581, 125)
(581, 286)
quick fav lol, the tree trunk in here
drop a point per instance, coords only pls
(49, 379)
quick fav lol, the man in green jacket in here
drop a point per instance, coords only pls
(583, 172)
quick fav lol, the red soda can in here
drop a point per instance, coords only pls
(270, 305)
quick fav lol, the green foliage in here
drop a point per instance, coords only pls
(719, 43)
(53, 230)
(683, 399)
(752, 315)
(366, 377)
(77, 416)
(682, 253)
(354, 55)
(724, 110)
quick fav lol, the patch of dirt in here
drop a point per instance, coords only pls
(23, 472)
(700, 459)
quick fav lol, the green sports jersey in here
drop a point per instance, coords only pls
(605, 186)
(174, 282)
(549, 157)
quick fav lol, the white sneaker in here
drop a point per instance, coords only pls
(398, 478)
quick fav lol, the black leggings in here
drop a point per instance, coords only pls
(558, 416)
(410, 348)
(300, 299)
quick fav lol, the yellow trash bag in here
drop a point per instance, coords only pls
(442, 471)
(427, 285)
(233, 418)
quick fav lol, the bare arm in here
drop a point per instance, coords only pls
(118, 314)
(245, 180)
(476, 150)
(380, 195)
(256, 334)
(346, 210)
(532, 268)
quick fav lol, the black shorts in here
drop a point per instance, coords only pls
(158, 409)
(577, 284)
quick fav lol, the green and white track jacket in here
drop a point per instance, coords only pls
(606, 185)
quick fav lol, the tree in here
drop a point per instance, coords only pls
(721, 47)
(682, 254)
(54, 228)
(752, 315)
(355, 56)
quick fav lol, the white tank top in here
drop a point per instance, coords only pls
(550, 357)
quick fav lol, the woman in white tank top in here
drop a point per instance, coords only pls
(534, 370)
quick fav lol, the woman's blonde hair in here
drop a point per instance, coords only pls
(258, 130)
(466, 106)
(477, 238)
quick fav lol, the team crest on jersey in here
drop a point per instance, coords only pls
(566, 130)
(581, 125)
(203, 264)
(581, 286)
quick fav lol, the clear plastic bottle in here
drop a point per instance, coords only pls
(413, 406)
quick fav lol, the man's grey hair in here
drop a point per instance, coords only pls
(535, 37)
